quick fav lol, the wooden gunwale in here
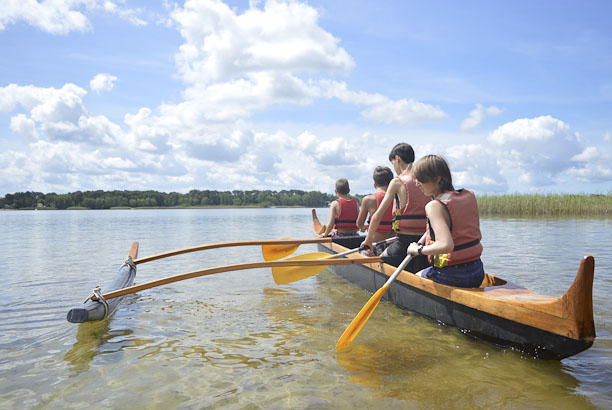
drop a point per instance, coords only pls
(569, 315)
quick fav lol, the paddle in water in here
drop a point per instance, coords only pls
(364, 314)
(362, 317)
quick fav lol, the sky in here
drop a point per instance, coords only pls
(226, 95)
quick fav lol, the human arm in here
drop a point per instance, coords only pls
(334, 209)
(440, 223)
(367, 205)
(387, 201)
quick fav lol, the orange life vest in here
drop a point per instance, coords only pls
(412, 217)
(347, 217)
(464, 227)
(387, 219)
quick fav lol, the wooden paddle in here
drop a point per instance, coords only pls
(284, 275)
(286, 243)
(210, 271)
(364, 314)
(275, 252)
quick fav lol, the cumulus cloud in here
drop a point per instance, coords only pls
(594, 164)
(102, 82)
(61, 16)
(238, 64)
(473, 166)
(478, 115)
(283, 37)
(539, 149)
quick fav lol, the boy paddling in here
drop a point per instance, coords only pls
(410, 219)
(343, 212)
(382, 177)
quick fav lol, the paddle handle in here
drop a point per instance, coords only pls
(403, 264)
(361, 248)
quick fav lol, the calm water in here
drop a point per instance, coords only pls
(236, 340)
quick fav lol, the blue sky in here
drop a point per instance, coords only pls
(174, 96)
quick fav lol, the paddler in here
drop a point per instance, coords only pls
(453, 227)
(410, 220)
(382, 177)
(343, 212)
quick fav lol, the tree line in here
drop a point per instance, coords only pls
(136, 199)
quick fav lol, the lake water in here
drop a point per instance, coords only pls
(237, 340)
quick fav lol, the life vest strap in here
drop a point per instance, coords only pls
(466, 245)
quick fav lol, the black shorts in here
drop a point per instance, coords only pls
(396, 252)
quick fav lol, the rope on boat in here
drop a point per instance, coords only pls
(96, 295)
(129, 262)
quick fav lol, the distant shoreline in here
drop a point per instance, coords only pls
(120, 208)
(512, 205)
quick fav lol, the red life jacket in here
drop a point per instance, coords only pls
(465, 229)
(347, 217)
(386, 222)
(412, 217)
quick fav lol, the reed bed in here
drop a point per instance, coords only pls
(543, 205)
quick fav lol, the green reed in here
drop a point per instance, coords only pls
(546, 205)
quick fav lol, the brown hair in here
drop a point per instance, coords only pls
(382, 176)
(430, 167)
(342, 186)
(405, 152)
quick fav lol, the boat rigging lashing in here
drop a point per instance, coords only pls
(96, 296)
(129, 262)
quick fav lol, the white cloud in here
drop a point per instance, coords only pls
(594, 164)
(473, 166)
(478, 115)
(102, 82)
(539, 149)
(283, 37)
(608, 136)
(60, 16)
(382, 109)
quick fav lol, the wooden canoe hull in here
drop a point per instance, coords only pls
(500, 312)
(473, 322)
(95, 310)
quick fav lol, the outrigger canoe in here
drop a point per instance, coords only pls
(499, 311)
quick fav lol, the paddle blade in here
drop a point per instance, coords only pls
(362, 317)
(275, 252)
(289, 274)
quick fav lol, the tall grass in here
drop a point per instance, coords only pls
(546, 205)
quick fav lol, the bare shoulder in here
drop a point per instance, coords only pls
(434, 206)
(395, 185)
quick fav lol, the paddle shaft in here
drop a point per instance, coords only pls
(364, 314)
(230, 244)
(361, 248)
(229, 268)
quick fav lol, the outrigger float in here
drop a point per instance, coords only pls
(501, 312)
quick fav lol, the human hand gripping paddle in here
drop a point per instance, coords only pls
(364, 314)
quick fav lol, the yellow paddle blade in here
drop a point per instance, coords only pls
(362, 317)
(275, 252)
(289, 274)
